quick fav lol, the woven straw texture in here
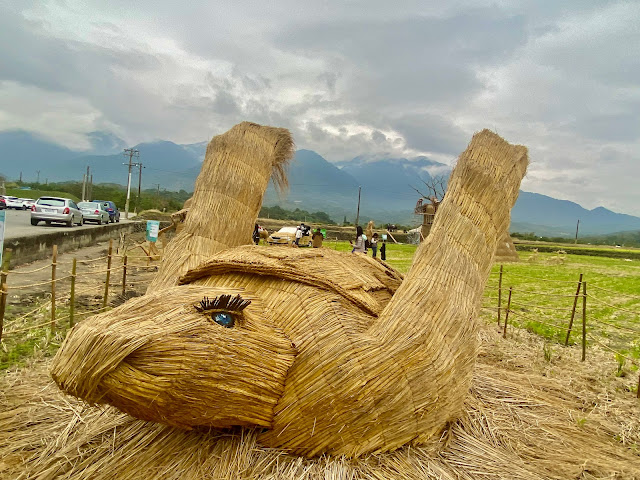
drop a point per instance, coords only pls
(335, 353)
(228, 194)
(517, 424)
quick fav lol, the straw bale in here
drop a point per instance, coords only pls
(227, 196)
(506, 251)
(516, 424)
(335, 352)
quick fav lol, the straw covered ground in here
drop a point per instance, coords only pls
(518, 424)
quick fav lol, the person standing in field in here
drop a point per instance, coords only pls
(316, 238)
(383, 249)
(374, 244)
(359, 246)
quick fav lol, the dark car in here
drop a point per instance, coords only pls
(114, 213)
(3, 203)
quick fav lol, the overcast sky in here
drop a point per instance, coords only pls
(347, 77)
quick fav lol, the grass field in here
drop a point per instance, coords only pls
(544, 288)
(399, 256)
(543, 293)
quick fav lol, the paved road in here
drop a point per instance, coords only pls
(19, 225)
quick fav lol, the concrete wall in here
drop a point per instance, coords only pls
(29, 249)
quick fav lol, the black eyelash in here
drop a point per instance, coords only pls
(223, 302)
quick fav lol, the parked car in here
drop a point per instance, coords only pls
(13, 202)
(3, 203)
(114, 213)
(27, 203)
(94, 212)
(287, 236)
(56, 209)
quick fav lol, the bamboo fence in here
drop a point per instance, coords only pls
(576, 301)
(63, 289)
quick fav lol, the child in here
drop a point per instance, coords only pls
(383, 249)
(374, 245)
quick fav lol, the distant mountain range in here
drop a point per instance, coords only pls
(388, 185)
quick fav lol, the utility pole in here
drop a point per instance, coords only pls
(358, 214)
(577, 226)
(139, 164)
(85, 179)
(90, 189)
(130, 152)
(157, 195)
(20, 177)
(38, 180)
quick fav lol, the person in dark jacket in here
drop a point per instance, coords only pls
(256, 234)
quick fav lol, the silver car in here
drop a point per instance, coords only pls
(56, 209)
(94, 212)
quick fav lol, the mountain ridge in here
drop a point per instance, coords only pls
(387, 185)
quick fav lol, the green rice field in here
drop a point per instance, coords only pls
(544, 287)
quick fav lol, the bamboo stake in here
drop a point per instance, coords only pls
(584, 320)
(573, 311)
(54, 263)
(5, 266)
(3, 304)
(500, 295)
(124, 274)
(506, 315)
(4, 272)
(106, 283)
(72, 295)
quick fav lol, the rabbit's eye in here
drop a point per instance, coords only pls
(223, 302)
(223, 318)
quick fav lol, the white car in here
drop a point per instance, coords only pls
(27, 203)
(287, 236)
(13, 202)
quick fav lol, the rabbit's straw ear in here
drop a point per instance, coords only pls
(228, 196)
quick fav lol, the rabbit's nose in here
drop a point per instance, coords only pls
(90, 352)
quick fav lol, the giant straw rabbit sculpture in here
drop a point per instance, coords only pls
(325, 351)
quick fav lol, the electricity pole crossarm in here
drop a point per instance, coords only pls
(130, 152)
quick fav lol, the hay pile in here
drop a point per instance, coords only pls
(506, 251)
(153, 214)
(516, 424)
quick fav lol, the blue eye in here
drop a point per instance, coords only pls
(224, 319)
